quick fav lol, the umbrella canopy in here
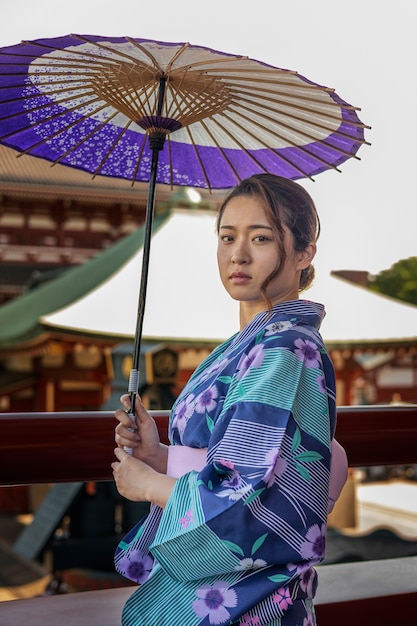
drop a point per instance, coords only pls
(91, 102)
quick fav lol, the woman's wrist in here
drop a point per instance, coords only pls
(159, 488)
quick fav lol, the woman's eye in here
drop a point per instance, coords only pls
(261, 238)
(226, 238)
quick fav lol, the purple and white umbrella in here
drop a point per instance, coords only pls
(170, 113)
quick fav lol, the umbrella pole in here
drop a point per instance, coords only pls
(156, 141)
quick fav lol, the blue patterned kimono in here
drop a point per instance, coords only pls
(237, 540)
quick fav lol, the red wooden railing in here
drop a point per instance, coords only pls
(60, 447)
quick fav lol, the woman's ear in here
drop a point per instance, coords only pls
(306, 256)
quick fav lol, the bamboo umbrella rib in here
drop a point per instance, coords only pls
(286, 159)
(117, 52)
(112, 147)
(61, 78)
(142, 147)
(297, 107)
(152, 58)
(286, 139)
(143, 97)
(268, 76)
(52, 92)
(292, 95)
(314, 122)
(51, 136)
(92, 132)
(93, 97)
(211, 65)
(291, 99)
(221, 149)
(251, 155)
(144, 50)
(59, 62)
(196, 152)
(291, 128)
(178, 97)
(78, 53)
(192, 107)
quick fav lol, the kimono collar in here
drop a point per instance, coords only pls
(306, 311)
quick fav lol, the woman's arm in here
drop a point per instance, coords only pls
(338, 473)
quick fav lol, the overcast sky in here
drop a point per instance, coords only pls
(365, 50)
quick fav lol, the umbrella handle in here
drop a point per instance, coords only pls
(132, 390)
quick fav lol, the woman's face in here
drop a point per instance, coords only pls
(248, 252)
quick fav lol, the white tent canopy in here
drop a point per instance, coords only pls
(186, 300)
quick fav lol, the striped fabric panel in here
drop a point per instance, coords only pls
(181, 557)
(276, 524)
(311, 411)
(247, 443)
(286, 370)
(184, 498)
(310, 493)
(167, 602)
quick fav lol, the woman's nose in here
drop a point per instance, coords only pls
(239, 256)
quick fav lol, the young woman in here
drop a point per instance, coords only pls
(240, 497)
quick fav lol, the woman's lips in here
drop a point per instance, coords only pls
(239, 278)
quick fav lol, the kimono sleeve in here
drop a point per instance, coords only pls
(261, 500)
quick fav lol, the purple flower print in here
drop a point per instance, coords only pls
(182, 413)
(277, 466)
(321, 382)
(282, 598)
(307, 352)
(234, 489)
(314, 547)
(206, 401)
(253, 359)
(234, 480)
(213, 601)
(278, 327)
(306, 581)
(139, 567)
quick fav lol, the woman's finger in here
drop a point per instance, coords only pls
(123, 418)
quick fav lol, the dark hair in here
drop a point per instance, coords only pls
(286, 204)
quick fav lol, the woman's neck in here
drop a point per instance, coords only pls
(248, 310)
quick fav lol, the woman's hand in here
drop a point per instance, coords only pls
(144, 439)
(138, 482)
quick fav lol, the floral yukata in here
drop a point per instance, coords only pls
(238, 538)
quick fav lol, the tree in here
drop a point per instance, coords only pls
(399, 281)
